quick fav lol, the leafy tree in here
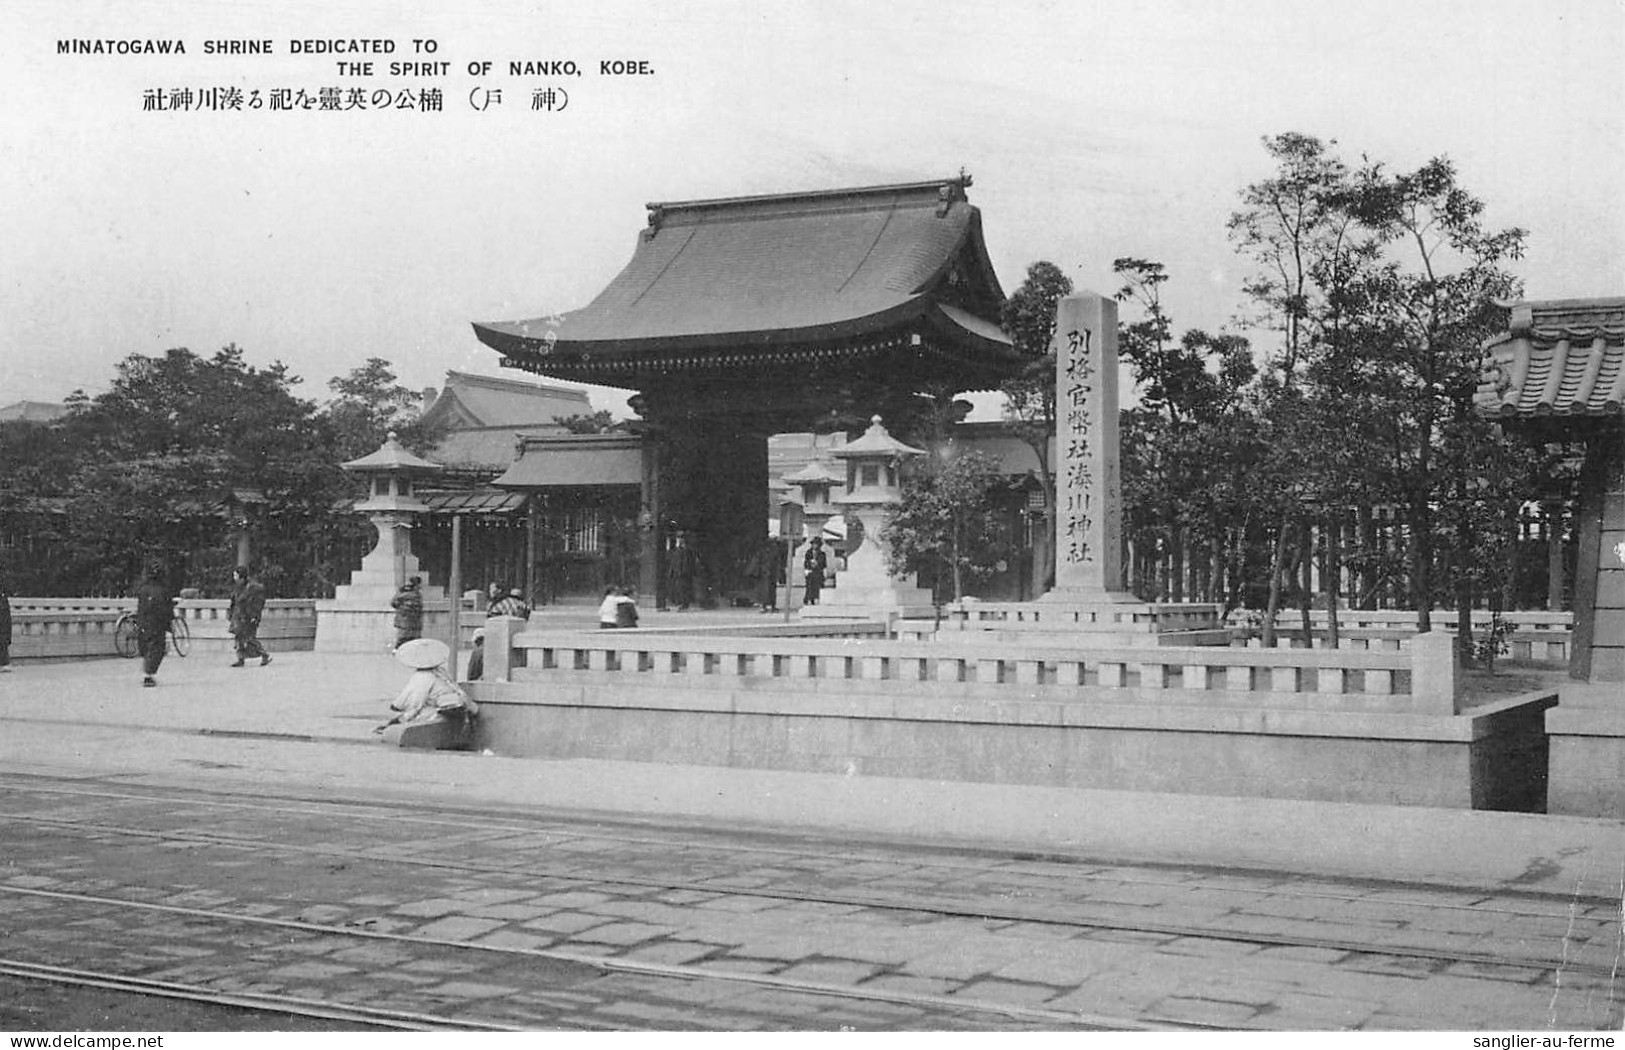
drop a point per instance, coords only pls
(1183, 439)
(949, 522)
(599, 422)
(1297, 228)
(370, 404)
(1380, 287)
(178, 453)
(1028, 316)
(1433, 302)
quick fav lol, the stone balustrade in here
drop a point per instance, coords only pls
(1540, 637)
(1053, 616)
(75, 628)
(1443, 619)
(1420, 680)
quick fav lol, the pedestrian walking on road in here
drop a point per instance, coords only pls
(154, 609)
(247, 606)
(5, 628)
(408, 605)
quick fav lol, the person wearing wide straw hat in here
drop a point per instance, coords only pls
(430, 697)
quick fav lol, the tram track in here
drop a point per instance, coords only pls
(943, 856)
(407, 1020)
(391, 1020)
(1076, 914)
(916, 904)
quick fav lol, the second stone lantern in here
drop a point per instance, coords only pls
(865, 589)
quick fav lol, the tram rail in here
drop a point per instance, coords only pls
(1074, 914)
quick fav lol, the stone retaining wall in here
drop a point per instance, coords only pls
(76, 628)
(1327, 725)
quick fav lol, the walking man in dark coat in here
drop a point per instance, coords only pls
(767, 566)
(683, 566)
(5, 628)
(408, 605)
(247, 606)
(154, 609)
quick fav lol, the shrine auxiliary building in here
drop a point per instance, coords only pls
(744, 317)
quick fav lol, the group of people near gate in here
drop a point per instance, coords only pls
(764, 568)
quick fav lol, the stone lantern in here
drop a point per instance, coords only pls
(359, 617)
(873, 486)
(816, 480)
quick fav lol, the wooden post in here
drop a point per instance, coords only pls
(456, 589)
(1554, 556)
(530, 550)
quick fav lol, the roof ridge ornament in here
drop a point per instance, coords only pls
(952, 190)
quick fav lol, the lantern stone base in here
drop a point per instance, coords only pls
(350, 626)
(851, 601)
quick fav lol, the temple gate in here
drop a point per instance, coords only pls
(743, 317)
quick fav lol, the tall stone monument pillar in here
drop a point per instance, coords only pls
(1088, 487)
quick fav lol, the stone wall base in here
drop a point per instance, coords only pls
(1588, 760)
(1491, 758)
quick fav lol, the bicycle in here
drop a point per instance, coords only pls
(127, 639)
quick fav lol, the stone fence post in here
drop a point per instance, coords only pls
(499, 654)
(1435, 685)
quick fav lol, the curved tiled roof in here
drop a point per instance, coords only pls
(491, 401)
(804, 268)
(1559, 357)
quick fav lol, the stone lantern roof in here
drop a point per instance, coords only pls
(876, 441)
(390, 471)
(391, 457)
(814, 473)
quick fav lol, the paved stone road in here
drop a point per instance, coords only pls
(547, 922)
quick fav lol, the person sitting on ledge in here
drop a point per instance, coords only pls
(430, 696)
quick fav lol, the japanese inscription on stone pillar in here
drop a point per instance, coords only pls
(1088, 523)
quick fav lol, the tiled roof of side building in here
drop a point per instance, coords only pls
(756, 271)
(490, 448)
(494, 401)
(32, 412)
(1558, 357)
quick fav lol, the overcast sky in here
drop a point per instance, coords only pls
(1093, 130)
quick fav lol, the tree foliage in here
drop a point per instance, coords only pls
(949, 522)
(369, 404)
(180, 454)
(1028, 317)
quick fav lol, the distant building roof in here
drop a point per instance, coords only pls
(576, 459)
(488, 448)
(1559, 357)
(486, 415)
(895, 270)
(32, 412)
(469, 400)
